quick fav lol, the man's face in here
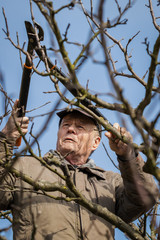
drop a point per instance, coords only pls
(77, 137)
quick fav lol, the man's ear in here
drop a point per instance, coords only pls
(96, 143)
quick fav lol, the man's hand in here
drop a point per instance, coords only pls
(120, 148)
(10, 129)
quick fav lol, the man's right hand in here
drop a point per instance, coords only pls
(10, 129)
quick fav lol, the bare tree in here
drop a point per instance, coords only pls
(116, 61)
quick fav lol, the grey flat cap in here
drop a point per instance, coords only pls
(67, 111)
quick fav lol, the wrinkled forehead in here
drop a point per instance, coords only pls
(79, 118)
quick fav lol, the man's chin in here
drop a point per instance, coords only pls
(66, 151)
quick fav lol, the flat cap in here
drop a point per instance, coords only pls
(67, 111)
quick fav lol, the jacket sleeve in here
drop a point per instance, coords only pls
(6, 179)
(138, 191)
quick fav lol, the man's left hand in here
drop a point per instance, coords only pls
(120, 148)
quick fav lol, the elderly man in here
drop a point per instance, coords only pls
(38, 216)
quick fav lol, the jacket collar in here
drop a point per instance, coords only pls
(89, 166)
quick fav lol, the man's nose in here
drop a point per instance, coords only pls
(72, 129)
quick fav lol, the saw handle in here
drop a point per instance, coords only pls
(18, 142)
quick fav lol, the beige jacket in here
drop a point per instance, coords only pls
(39, 217)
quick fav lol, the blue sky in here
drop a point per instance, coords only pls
(18, 11)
